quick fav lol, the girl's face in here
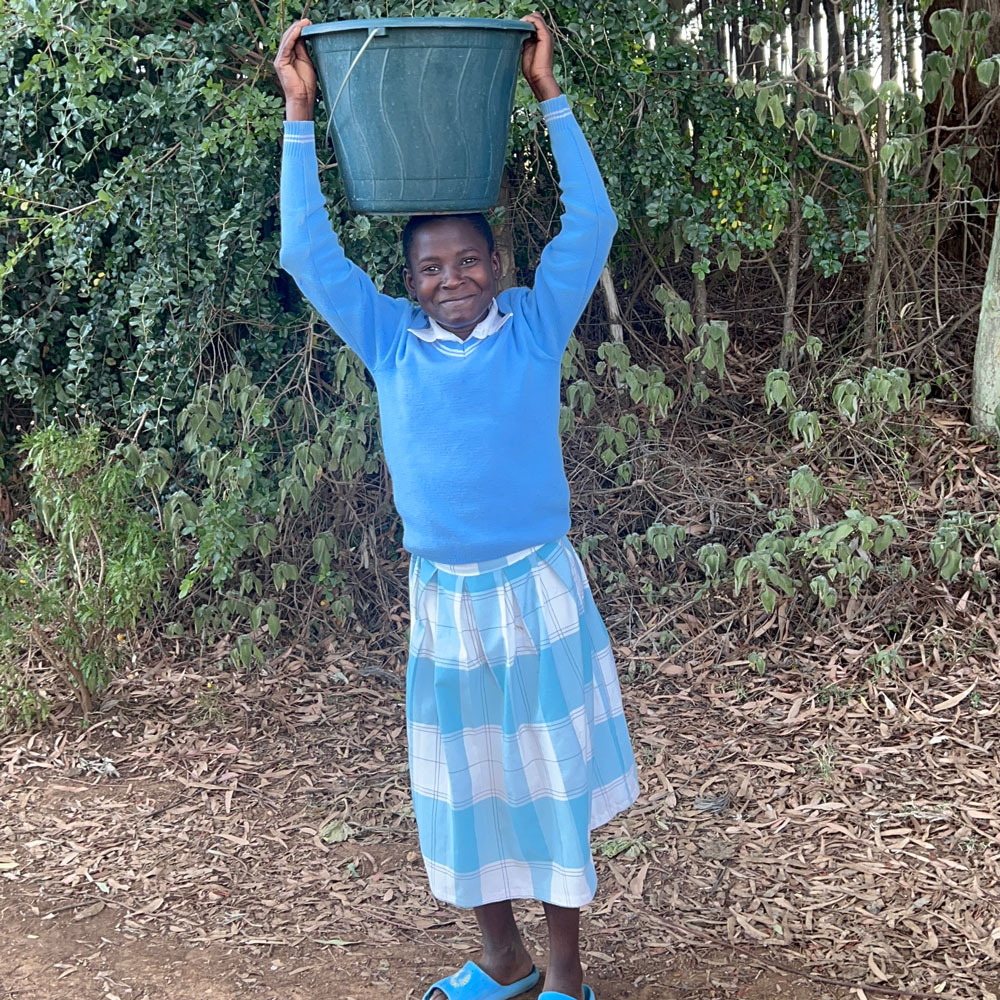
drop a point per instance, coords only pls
(452, 274)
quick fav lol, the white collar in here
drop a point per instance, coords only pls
(486, 327)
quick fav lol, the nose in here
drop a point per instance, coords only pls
(451, 277)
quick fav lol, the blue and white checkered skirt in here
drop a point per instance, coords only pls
(517, 741)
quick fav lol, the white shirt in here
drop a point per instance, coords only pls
(486, 327)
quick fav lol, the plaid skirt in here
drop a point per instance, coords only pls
(518, 746)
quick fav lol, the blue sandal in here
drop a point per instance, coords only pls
(588, 994)
(471, 983)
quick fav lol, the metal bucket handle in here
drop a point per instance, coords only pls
(372, 33)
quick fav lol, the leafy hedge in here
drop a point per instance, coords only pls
(141, 294)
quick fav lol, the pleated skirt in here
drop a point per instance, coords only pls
(518, 745)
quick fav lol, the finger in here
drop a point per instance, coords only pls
(531, 42)
(290, 39)
(541, 42)
(286, 44)
(542, 29)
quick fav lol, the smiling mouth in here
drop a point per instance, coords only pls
(448, 302)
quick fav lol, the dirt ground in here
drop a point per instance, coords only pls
(95, 958)
(219, 835)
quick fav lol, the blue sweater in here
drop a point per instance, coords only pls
(470, 431)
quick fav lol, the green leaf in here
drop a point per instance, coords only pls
(951, 564)
(710, 355)
(946, 25)
(986, 71)
(932, 84)
(806, 121)
(948, 95)
(777, 109)
(888, 90)
(978, 200)
(849, 138)
(763, 100)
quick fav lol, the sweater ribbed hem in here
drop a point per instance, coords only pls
(300, 140)
(556, 111)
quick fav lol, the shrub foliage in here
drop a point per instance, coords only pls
(192, 414)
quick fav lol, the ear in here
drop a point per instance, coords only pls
(497, 266)
(408, 281)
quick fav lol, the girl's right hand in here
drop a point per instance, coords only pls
(536, 59)
(296, 74)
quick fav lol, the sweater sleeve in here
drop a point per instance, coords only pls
(343, 294)
(571, 263)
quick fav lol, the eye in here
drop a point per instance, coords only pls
(471, 260)
(429, 269)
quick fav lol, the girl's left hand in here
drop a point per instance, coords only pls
(536, 60)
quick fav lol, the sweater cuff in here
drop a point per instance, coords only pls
(300, 131)
(300, 140)
(556, 109)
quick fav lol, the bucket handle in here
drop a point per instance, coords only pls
(372, 33)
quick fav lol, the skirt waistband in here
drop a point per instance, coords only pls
(487, 565)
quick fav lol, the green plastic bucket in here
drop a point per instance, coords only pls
(419, 108)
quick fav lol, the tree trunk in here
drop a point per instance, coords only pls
(835, 62)
(788, 332)
(877, 275)
(892, 27)
(912, 36)
(817, 72)
(800, 40)
(850, 60)
(986, 366)
(736, 43)
(866, 48)
(700, 303)
(611, 303)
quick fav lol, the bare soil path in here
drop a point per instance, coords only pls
(218, 835)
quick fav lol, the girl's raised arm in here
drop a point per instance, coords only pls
(571, 263)
(343, 294)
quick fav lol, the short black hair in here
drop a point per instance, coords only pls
(475, 219)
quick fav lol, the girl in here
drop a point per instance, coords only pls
(517, 743)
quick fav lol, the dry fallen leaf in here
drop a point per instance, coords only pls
(336, 831)
(89, 911)
(957, 700)
(856, 831)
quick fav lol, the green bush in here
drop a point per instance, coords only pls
(140, 293)
(86, 565)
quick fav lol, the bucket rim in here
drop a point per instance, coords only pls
(366, 24)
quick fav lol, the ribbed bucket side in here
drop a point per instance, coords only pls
(422, 122)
